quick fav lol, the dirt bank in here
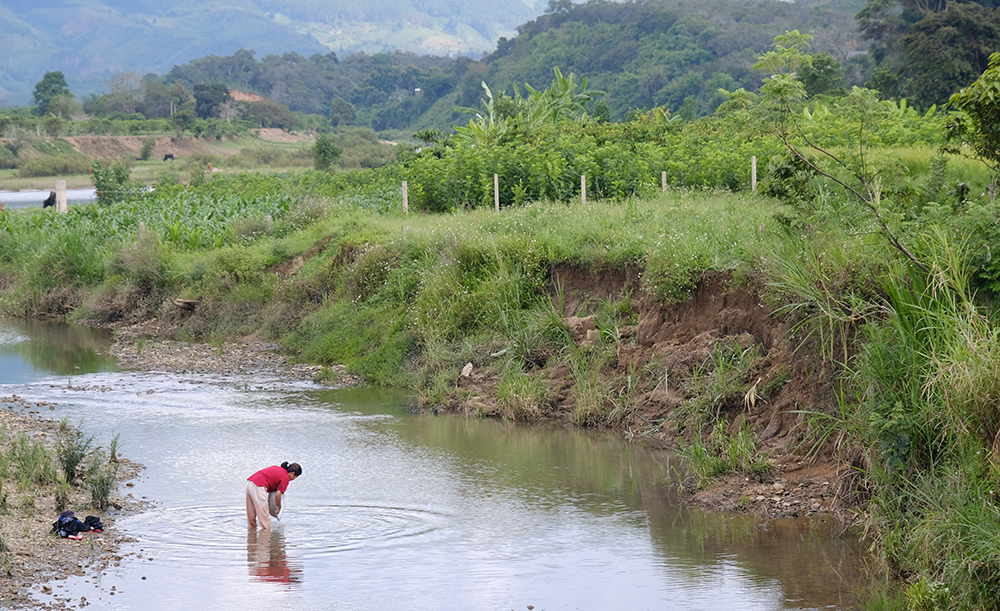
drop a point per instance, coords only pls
(666, 360)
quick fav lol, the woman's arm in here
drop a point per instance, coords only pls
(277, 502)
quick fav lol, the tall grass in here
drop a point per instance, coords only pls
(72, 447)
(722, 454)
(32, 463)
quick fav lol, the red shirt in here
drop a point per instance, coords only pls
(273, 478)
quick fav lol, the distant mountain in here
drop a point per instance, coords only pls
(90, 40)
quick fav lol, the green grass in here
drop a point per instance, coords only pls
(722, 454)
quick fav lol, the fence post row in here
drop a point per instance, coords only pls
(583, 185)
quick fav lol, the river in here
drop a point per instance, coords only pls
(34, 199)
(401, 510)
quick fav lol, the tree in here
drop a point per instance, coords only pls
(65, 106)
(977, 124)
(183, 119)
(126, 91)
(341, 111)
(208, 98)
(823, 76)
(325, 153)
(947, 50)
(269, 113)
(559, 6)
(52, 84)
(781, 93)
(229, 110)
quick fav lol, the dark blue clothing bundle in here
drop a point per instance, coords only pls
(67, 525)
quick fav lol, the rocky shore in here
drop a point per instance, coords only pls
(30, 555)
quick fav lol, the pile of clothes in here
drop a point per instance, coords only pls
(69, 527)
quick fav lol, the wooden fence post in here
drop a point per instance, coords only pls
(753, 174)
(496, 191)
(663, 179)
(583, 188)
(406, 205)
(61, 203)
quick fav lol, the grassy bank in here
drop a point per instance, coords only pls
(698, 317)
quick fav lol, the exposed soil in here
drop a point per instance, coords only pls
(279, 135)
(677, 341)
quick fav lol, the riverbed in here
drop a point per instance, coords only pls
(397, 509)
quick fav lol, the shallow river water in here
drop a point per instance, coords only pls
(398, 510)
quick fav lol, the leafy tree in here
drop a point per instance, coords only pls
(208, 99)
(268, 113)
(65, 106)
(782, 93)
(184, 119)
(112, 181)
(602, 113)
(325, 153)
(341, 111)
(947, 50)
(977, 123)
(559, 6)
(823, 76)
(147, 148)
(52, 84)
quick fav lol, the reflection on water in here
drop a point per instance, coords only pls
(32, 349)
(415, 511)
(267, 559)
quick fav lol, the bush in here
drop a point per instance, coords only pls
(325, 153)
(56, 165)
(147, 148)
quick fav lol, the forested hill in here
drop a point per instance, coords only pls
(89, 40)
(670, 53)
(662, 53)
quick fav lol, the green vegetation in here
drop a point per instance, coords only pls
(867, 239)
(725, 454)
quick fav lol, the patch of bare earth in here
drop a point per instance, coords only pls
(104, 147)
(679, 339)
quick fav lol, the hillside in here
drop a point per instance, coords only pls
(89, 41)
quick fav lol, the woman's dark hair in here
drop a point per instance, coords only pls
(292, 468)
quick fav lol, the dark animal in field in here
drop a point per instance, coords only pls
(169, 156)
(50, 201)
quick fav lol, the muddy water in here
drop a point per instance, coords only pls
(397, 510)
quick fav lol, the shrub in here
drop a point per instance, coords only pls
(55, 165)
(147, 148)
(325, 153)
